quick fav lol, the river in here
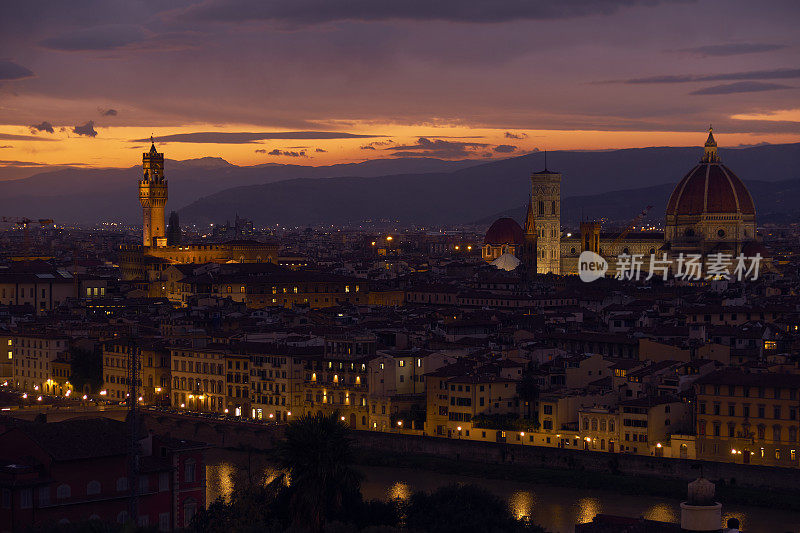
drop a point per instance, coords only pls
(557, 509)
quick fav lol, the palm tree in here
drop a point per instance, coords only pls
(316, 455)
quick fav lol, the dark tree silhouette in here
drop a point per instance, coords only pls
(316, 456)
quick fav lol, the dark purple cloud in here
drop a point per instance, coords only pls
(732, 49)
(6, 146)
(12, 137)
(86, 129)
(109, 112)
(374, 145)
(11, 71)
(320, 150)
(776, 74)
(437, 148)
(505, 148)
(245, 138)
(288, 153)
(303, 12)
(740, 87)
(43, 126)
(517, 136)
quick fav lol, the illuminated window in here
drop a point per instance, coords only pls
(770, 345)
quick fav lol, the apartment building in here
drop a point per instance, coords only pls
(153, 362)
(199, 378)
(748, 418)
(33, 355)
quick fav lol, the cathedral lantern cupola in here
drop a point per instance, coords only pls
(710, 154)
(153, 197)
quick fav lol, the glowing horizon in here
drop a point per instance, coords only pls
(114, 147)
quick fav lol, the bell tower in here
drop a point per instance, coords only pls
(545, 207)
(153, 197)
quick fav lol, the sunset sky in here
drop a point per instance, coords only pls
(318, 82)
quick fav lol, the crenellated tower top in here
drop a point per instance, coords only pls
(153, 196)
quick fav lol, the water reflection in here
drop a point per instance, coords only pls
(662, 512)
(220, 480)
(587, 509)
(557, 509)
(226, 471)
(399, 491)
(521, 504)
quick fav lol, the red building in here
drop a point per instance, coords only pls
(77, 470)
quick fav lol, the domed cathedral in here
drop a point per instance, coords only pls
(710, 211)
(142, 262)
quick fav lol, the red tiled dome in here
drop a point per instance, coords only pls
(710, 187)
(504, 231)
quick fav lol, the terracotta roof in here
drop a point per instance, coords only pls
(710, 188)
(504, 231)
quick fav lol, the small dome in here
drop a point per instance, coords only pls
(507, 262)
(504, 231)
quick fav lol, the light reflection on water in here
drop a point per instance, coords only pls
(587, 509)
(399, 491)
(557, 509)
(662, 512)
(224, 474)
(521, 503)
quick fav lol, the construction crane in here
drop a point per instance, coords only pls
(24, 222)
(628, 229)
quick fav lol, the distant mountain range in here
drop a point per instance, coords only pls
(91, 195)
(473, 193)
(410, 191)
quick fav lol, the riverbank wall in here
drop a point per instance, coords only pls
(387, 446)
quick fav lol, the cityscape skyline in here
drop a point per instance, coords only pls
(519, 266)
